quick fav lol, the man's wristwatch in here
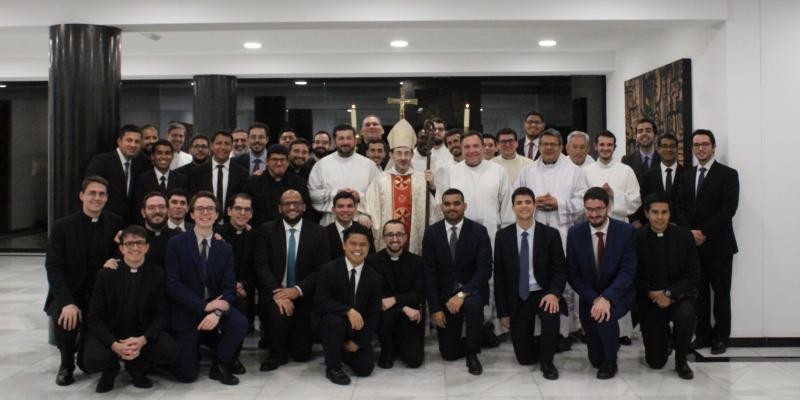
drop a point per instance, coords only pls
(218, 313)
(668, 293)
(461, 295)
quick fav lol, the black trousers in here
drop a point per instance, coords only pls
(715, 274)
(98, 357)
(523, 323)
(247, 305)
(451, 345)
(290, 336)
(655, 330)
(602, 338)
(335, 330)
(226, 339)
(401, 337)
(71, 342)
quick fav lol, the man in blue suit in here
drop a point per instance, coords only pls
(201, 286)
(458, 263)
(601, 258)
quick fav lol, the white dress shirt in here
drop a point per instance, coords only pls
(226, 169)
(358, 269)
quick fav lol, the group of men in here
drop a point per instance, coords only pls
(175, 251)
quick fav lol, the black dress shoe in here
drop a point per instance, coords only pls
(684, 371)
(272, 363)
(386, 361)
(625, 341)
(142, 382)
(699, 343)
(237, 368)
(64, 377)
(490, 340)
(474, 365)
(549, 370)
(106, 382)
(719, 347)
(337, 376)
(607, 371)
(222, 372)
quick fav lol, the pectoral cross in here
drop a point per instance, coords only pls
(402, 101)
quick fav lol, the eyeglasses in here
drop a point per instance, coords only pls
(242, 210)
(700, 145)
(205, 210)
(134, 243)
(598, 210)
(395, 235)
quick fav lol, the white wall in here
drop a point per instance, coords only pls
(745, 89)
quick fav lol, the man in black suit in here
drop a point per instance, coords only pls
(297, 248)
(458, 264)
(76, 249)
(177, 208)
(665, 177)
(530, 274)
(707, 202)
(128, 315)
(120, 168)
(401, 328)
(200, 150)
(344, 208)
(268, 187)
(533, 124)
(645, 157)
(666, 285)
(159, 178)
(348, 300)
(255, 160)
(220, 176)
(300, 161)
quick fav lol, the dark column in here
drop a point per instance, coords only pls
(84, 107)
(214, 103)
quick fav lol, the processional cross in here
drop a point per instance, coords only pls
(402, 101)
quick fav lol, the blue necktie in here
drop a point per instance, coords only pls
(700, 179)
(291, 259)
(524, 250)
(646, 162)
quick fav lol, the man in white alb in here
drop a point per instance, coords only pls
(578, 149)
(508, 157)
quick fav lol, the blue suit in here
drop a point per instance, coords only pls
(186, 290)
(614, 281)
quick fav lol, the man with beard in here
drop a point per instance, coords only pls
(371, 130)
(376, 151)
(401, 326)
(508, 157)
(159, 178)
(200, 149)
(344, 208)
(453, 143)
(616, 178)
(322, 145)
(177, 207)
(220, 176)
(400, 192)
(149, 137)
(296, 248)
(341, 171)
(239, 142)
(601, 258)
(645, 156)
(440, 151)
(176, 133)
(578, 149)
(534, 124)
(300, 162)
(266, 189)
(255, 161)
(154, 213)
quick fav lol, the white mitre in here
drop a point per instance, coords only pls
(402, 135)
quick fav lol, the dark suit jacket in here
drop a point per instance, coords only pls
(521, 150)
(185, 284)
(636, 163)
(108, 301)
(616, 279)
(67, 257)
(109, 166)
(266, 194)
(249, 252)
(471, 269)
(712, 209)
(146, 182)
(157, 254)
(549, 266)
(201, 179)
(652, 182)
(312, 253)
(335, 241)
(187, 169)
(331, 296)
(407, 283)
(683, 264)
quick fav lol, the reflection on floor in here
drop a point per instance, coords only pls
(24, 242)
(28, 366)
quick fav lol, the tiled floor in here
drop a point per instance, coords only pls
(28, 366)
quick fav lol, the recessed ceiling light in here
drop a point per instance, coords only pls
(252, 45)
(398, 43)
(300, 83)
(547, 43)
(3, 86)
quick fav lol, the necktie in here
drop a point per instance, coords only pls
(163, 184)
(220, 192)
(530, 150)
(646, 162)
(524, 250)
(291, 259)
(668, 183)
(204, 254)
(453, 242)
(256, 166)
(127, 177)
(701, 179)
(600, 249)
(351, 293)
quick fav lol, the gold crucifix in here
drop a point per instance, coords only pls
(402, 101)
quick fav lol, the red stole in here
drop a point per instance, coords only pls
(401, 201)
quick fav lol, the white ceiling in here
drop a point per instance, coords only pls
(350, 38)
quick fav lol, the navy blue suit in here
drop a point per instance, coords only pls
(186, 290)
(615, 282)
(444, 277)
